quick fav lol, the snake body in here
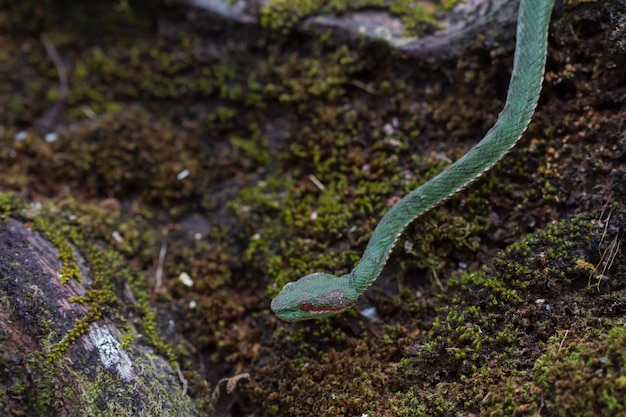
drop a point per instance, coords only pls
(321, 294)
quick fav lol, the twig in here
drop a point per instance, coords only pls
(159, 271)
(182, 379)
(563, 340)
(317, 182)
(49, 119)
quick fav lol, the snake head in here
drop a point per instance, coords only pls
(314, 296)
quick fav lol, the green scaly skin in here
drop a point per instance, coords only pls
(321, 294)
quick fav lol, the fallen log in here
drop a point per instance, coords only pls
(59, 356)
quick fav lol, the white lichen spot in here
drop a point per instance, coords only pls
(21, 135)
(51, 137)
(395, 143)
(369, 313)
(117, 236)
(182, 174)
(110, 352)
(388, 129)
(185, 279)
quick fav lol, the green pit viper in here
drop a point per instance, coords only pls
(321, 294)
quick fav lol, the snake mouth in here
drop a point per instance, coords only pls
(310, 308)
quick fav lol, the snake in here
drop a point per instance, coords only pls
(321, 294)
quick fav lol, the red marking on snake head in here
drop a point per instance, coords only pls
(306, 306)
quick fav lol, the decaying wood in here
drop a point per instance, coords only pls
(96, 375)
(484, 22)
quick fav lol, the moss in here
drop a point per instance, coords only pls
(9, 204)
(285, 14)
(80, 327)
(582, 368)
(416, 16)
(476, 355)
(149, 321)
(69, 269)
(103, 387)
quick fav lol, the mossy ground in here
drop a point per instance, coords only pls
(251, 162)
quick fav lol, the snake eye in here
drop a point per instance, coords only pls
(306, 306)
